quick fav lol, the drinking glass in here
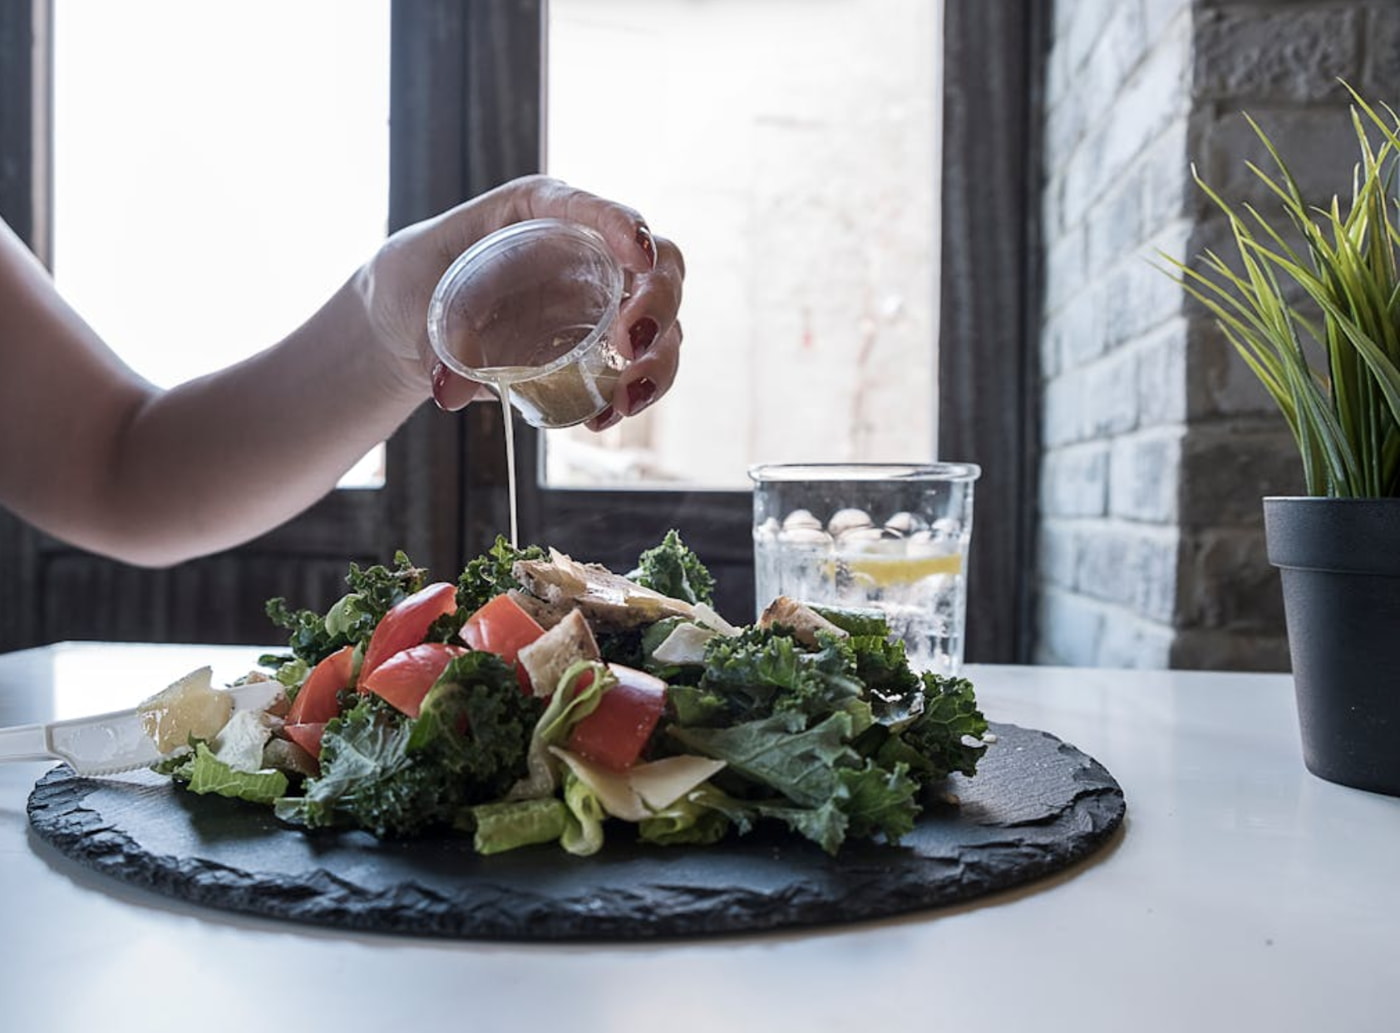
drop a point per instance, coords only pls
(876, 536)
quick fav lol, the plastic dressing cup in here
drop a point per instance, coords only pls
(529, 310)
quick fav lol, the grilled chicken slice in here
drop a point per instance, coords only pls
(546, 614)
(549, 656)
(609, 601)
(804, 621)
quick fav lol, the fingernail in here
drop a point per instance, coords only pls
(639, 395)
(440, 376)
(642, 335)
(647, 244)
(607, 418)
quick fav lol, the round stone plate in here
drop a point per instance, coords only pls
(1036, 806)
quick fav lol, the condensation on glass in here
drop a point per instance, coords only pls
(219, 171)
(791, 148)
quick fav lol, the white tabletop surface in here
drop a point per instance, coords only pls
(1241, 894)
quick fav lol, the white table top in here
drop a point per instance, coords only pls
(1241, 894)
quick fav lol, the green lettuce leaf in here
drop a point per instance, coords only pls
(509, 825)
(207, 774)
(686, 822)
(567, 707)
(583, 827)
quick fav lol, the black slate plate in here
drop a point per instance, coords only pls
(1037, 806)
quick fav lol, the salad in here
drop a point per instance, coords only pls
(540, 700)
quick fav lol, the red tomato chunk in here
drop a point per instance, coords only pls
(504, 628)
(307, 736)
(406, 623)
(614, 735)
(316, 699)
(405, 678)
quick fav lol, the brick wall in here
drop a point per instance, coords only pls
(1158, 445)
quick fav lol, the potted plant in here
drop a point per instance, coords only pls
(1313, 306)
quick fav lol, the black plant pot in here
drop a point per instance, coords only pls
(1340, 564)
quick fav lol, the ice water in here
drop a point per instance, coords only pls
(910, 571)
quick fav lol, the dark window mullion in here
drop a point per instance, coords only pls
(988, 352)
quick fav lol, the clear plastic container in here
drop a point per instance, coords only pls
(530, 310)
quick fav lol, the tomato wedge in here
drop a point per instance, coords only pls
(614, 735)
(503, 627)
(316, 699)
(405, 678)
(307, 735)
(406, 623)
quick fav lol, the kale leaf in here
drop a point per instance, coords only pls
(490, 574)
(866, 622)
(623, 646)
(824, 824)
(764, 671)
(368, 778)
(397, 776)
(477, 722)
(879, 800)
(946, 736)
(674, 570)
(373, 590)
(801, 765)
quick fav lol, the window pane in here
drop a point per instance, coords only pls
(790, 147)
(219, 170)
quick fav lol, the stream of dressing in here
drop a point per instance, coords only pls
(508, 421)
(502, 378)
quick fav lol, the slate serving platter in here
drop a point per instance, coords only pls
(1036, 806)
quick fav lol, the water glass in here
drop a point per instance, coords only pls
(882, 536)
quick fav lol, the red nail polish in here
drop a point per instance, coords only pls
(607, 418)
(642, 335)
(647, 244)
(639, 395)
(440, 377)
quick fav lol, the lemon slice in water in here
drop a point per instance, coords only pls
(885, 571)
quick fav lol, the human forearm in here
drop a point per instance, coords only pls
(92, 454)
(220, 459)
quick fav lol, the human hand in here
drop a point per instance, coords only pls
(398, 283)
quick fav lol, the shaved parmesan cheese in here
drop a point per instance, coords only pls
(638, 792)
(684, 645)
(189, 708)
(613, 790)
(708, 616)
(240, 743)
(663, 782)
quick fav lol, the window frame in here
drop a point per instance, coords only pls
(466, 115)
(990, 302)
(989, 283)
